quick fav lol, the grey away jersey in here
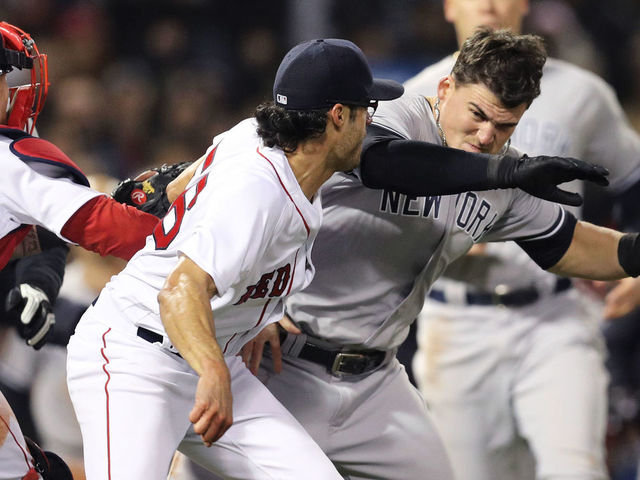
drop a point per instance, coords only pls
(576, 115)
(378, 252)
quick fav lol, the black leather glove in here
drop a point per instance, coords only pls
(540, 176)
(32, 308)
(148, 190)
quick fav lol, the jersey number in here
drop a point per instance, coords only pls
(168, 228)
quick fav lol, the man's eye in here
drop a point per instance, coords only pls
(477, 115)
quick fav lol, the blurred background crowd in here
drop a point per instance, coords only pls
(139, 83)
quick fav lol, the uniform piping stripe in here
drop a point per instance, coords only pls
(24, 453)
(264, 309)
(106, 391)
(226, 345)
(285, 190)
(549, 231)
(293, 273)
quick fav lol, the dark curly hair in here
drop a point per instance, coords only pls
(287, 128)
(508, 64)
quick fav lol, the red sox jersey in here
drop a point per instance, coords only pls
(243, 219)
(378, 251)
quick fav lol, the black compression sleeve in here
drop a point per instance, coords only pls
(629, 254)
(46, 269)
(548, 251)
(421, 168)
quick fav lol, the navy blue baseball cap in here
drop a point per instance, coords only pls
(320, 73)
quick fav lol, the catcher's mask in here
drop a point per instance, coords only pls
(18, 50)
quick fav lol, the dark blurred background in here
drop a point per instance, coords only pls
(143, 82)
(138, 83)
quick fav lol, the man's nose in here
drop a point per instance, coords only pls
(486, 133)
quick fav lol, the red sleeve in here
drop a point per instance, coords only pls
(110, 228)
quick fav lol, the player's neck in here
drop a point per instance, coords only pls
(310, 169)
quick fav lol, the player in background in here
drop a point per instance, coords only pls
(510, 359)
(41, 186)
(158, 348)
(378, 252)
(42, 189)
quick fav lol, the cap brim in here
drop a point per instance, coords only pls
(384, 89)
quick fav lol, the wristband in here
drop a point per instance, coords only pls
(629, 254)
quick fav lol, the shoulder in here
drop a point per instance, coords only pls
(43, 156)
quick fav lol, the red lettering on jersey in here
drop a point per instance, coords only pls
(281, 281)
(266, 287)
(262, 287)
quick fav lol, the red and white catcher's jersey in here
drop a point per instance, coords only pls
(244, 220)
(31, 198)
(15, 459)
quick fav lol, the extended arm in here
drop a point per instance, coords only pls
(187, 317)
(107, 227)
(592, 254)
(421, 168)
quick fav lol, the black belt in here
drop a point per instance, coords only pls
(153, 337)
(514, 298)
(339, 361)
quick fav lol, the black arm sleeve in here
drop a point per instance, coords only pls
(546, 252)
(420, 168)
(46, 269)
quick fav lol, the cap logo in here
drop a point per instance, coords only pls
(281, 99)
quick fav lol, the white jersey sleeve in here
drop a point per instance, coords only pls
(27, 197)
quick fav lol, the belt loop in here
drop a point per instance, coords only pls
(292, 344)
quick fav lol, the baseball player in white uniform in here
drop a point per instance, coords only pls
(15, 459)
(155, 357)
(378, 252)
(41, 186)
(510, 357)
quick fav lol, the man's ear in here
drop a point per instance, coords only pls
(338, 115)
(449, 8)
(445, 86)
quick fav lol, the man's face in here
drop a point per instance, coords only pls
(468, 15)
(473, 119)
(350, 147)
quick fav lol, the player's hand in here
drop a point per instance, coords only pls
(212, 413)
(622, 299)
(148, 190)
(252, 351)
(540, 176)
(31, 307)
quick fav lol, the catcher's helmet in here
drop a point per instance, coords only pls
(18, 50)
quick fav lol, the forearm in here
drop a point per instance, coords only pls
(46, 269)
(593, 254)
(420, 168)
(187, 318)
(177, 186)
(107, 227)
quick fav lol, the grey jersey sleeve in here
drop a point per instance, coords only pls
(542, 229)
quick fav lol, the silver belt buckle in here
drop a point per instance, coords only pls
(341, 360)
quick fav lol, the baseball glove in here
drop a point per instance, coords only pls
(147, 191)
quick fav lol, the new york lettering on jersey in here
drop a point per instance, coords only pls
(474, 213)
